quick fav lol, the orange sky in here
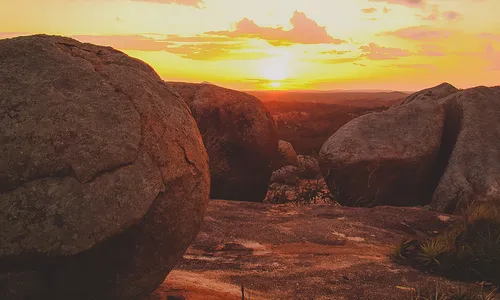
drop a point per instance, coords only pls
(285, 44)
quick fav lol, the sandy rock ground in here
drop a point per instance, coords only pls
(303, 252)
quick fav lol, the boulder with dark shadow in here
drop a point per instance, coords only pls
(104, 179)
(440, 146)
(385, 158)
(469, 164)
(240, 137)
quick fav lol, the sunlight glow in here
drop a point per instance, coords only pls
(275, 84)
(284, 44)
(275, 68)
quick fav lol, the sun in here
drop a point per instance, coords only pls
(275, 69)
(275, 85)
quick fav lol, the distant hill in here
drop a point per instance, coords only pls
(347, 98)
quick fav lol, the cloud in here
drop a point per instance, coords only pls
(194, 48)
(412, 66)
(452, 15)
(125, 42)
(447, 15)
(216, 51)
(334, 61)
(304, 31)
(410, 3)
(195, 3)
(376, 52)
(370, 10)
(493, 57)
(490, 36)
(334, 52)
(418, 33)
(431, 50)
(433, 16)
(332, 57)
(197, 38)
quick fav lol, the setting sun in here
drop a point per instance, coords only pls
(275, 68)
(275, 84)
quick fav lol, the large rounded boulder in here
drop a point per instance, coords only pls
(240, 137)
(104, 179)
(384, 158)
(440, 146)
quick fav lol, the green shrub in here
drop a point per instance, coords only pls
(431, 252)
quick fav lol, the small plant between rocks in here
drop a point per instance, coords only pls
(306, 191)
(468, 251)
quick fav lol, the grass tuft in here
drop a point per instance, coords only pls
(438, 293)
(469, 250)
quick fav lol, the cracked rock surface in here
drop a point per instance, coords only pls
(103, 175)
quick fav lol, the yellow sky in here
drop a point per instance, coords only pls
(284, 44)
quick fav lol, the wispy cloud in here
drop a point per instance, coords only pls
(195, 3)
(431, 50)
(452, 15)
(126, 42)
(432, 16)
(194, 48)
(369, 10)
(419, 33)
(376, 52)
(410, 3)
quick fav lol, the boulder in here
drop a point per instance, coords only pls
(385, 158)
(439, 146)
(433, 93)
(308, 167)
(287, 155)
(104, 179)
(469, 166)
(240, 137)
(287, 175)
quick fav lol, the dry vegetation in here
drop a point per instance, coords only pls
(308, 125)
(469, 250)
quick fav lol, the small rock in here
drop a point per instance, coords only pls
(444, 218)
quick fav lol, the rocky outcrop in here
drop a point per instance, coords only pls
(308, 167)
(240, 136)
(384, 158)
(104, 179)
(287, 175)
(287, 155)
(440, 145)
(433, 93)
(469, 165)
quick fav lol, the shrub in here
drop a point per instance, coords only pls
(304, 192)
(469, 250)
(438, 293)
(405, 249)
